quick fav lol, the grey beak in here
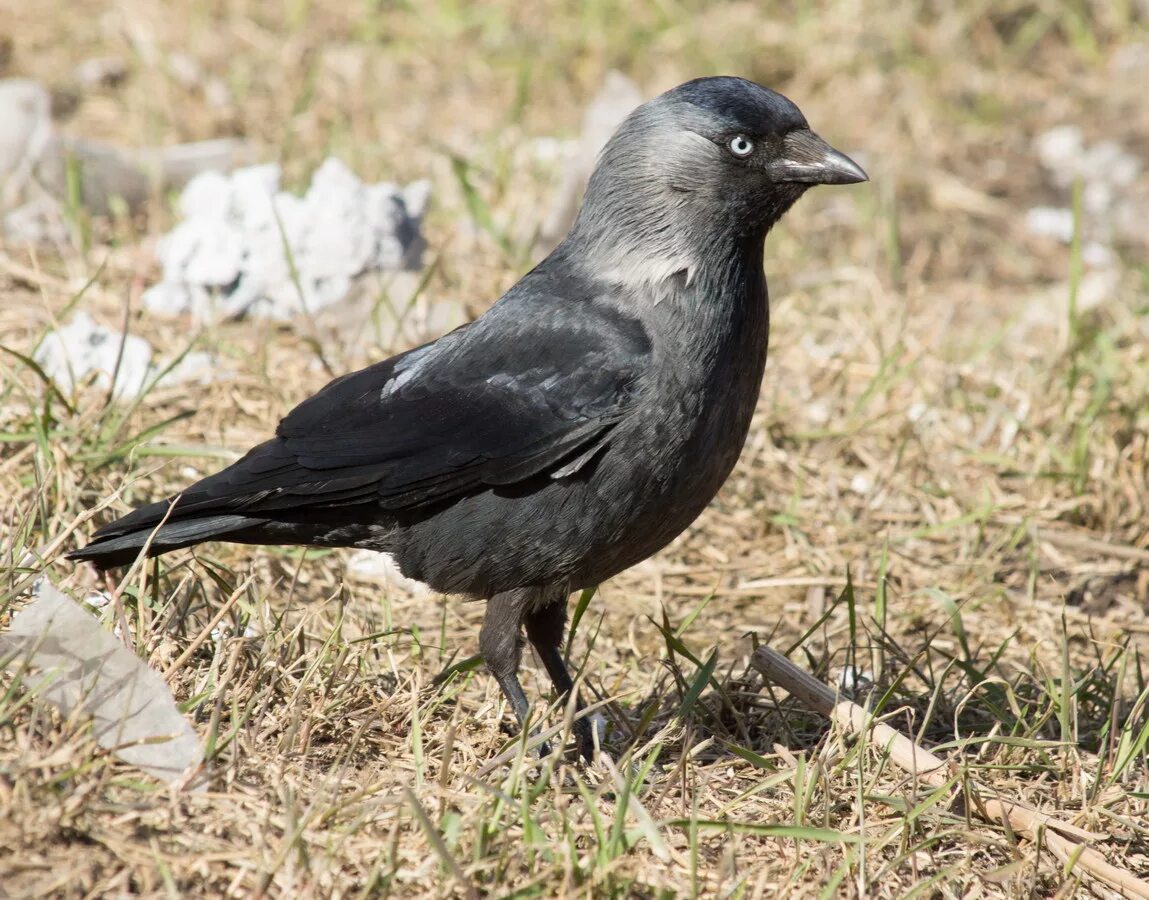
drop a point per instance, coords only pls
(808, 159)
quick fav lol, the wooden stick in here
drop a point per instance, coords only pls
(1068, 842)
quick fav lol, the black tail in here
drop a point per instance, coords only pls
(120, 542)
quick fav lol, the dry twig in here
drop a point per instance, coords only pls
(1069, 843)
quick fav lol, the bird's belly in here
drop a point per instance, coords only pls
(669, 489)
(657, 474)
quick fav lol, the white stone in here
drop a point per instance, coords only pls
(1050, 221)
(246, 247)
(1060, 150)
(202, 252)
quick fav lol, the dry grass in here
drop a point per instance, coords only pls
(940, 424)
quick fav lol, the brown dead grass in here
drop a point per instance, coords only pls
(921, 429)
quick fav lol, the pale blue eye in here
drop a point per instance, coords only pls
(741, 146)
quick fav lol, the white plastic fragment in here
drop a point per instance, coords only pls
(247, 248)
(226, 632)
(852, 679)
(1061, 150)
(79, 664)
(83, 349)
(381, 567)
(97, 599)
(1050, 221)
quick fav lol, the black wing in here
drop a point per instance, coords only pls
(527, 389)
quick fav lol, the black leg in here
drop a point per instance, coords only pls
(546, 626)
(501, 644)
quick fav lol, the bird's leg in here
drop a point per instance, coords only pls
(545, 627)
(501, 645)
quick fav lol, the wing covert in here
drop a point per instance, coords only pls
(493, 403)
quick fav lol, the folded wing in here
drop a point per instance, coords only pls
(491, 404)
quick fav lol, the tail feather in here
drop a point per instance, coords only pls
(120, 542)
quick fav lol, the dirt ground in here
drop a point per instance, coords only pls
(945, 490)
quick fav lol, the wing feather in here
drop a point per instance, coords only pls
(509, 398)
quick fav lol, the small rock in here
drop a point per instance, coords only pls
(818, 413)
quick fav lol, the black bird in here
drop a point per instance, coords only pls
(573, 429)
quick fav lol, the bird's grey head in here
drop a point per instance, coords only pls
(713, 161)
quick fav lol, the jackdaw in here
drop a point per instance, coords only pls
(573, 429)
